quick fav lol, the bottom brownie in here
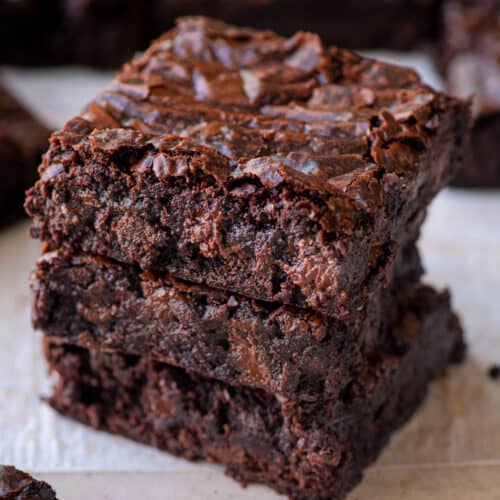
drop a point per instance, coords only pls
(306, 450)
(481, 167)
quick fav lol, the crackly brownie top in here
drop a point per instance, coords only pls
(472, 52)
(18, 485)
(19, 130)
(253, 109)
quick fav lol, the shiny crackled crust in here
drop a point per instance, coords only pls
(99, 304)
(22, 141)
(306, 450)
(294, 173)
(18, 485)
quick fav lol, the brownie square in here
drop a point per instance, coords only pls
(22, 140)
(306, 450)
(279, 169)
(292, 352)
(470, 60)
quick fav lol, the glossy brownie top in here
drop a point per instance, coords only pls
(252, 109)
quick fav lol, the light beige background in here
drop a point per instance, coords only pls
(450, 450)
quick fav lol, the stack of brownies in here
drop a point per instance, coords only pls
(229, 268)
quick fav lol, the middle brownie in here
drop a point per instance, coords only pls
(104, 305)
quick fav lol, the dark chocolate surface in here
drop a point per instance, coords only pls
(295, 173)
(306, 450)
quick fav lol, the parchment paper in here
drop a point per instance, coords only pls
(451, 449)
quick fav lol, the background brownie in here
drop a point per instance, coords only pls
(94, 32)
(307, 450)
(108, 32)
(18, 485)
(470, 60)
(361, 24)
(22, 141)
(101, 305)
(296, 174)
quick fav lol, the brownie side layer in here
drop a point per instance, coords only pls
(306, 450)
(103, 305)
(18, 485)
(296, 174)
(22, 141)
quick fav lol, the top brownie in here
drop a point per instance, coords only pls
(280, 169)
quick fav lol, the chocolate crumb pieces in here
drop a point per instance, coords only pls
(18, 485)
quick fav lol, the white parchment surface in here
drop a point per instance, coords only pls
(451, 449)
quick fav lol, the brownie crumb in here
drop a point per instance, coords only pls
(18, 485)
(494, 372)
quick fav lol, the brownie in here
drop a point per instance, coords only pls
(27, 31)
(279, 169)
(388, 24)
(470, 60)
(107, 32)
(18, 485)
(99, 304)
(95, 32)
(306, 450)
(22, 140)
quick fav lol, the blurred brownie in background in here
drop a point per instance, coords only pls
(102, 32)
(28, 32)
(93, 32)
(360, 24)
(106, 33)
(22, 141)
(470, 61)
